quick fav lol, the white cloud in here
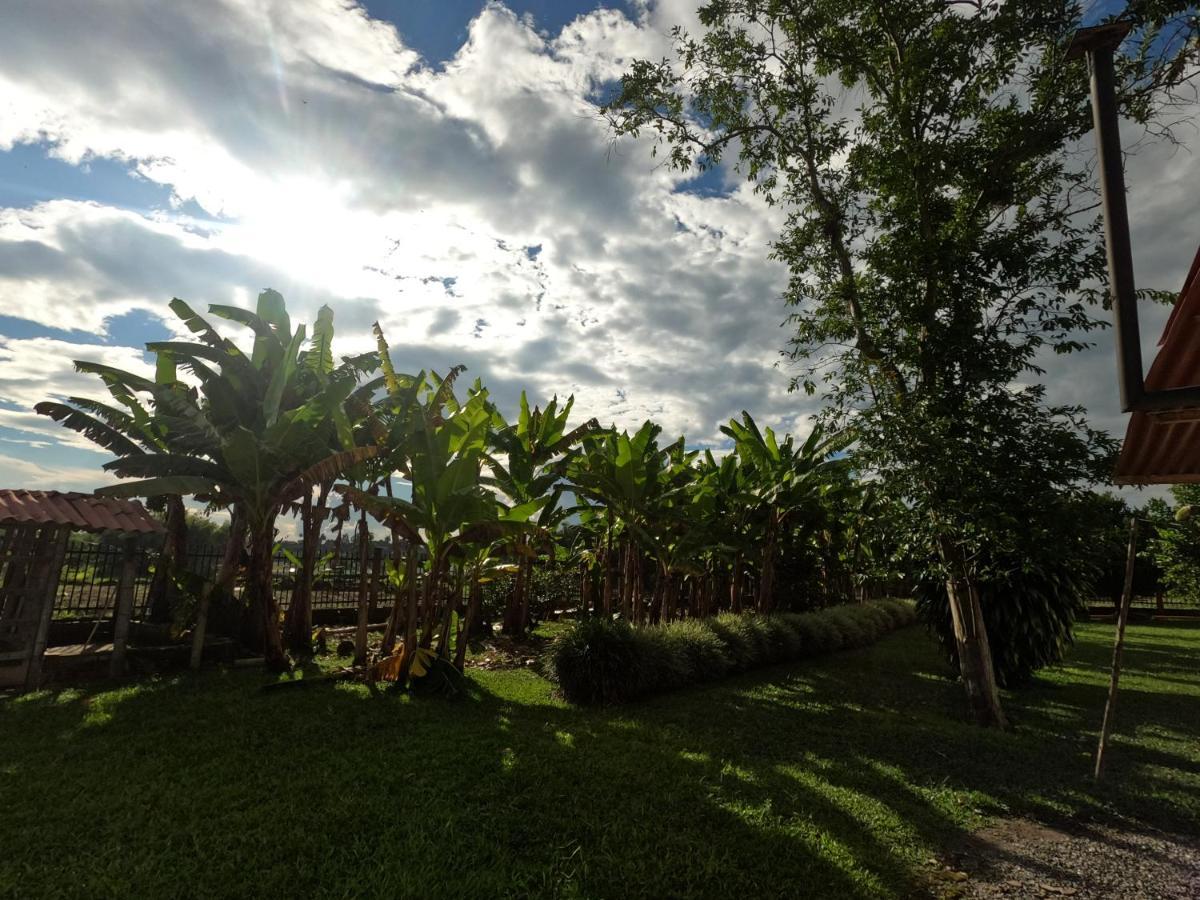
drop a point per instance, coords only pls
(480, 212)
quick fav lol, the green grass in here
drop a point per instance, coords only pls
(836, 777)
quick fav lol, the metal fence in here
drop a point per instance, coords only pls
(88, 585)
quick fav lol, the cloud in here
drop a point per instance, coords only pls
(480, 211)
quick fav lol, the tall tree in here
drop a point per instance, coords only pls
(935, 238)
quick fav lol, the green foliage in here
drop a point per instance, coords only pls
(1174, 542)
(1029, 612)
(600, 661)
(837, 780)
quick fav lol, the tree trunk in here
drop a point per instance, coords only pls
(608, 569)
(460, 652)
(172, 555)
(526, 592)
(410, 616)
(297, 621)
(364, 589)
(221, 586)
(585, 588)
(453, 604)
(627, 581)
(262, 615)
(971, 642)
(735, 585)
(513, 623)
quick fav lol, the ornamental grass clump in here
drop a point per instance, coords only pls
(599, 660)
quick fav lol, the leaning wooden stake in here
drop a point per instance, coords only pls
(1118, 646)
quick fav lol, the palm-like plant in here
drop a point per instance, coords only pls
(130, 430)
(528, 463)
(442, 453)
(787, 482)
(257, 433)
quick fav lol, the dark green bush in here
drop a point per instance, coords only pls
(706, 654)
(818, 633)
(745, 650)
(599, 661)
(602, 661)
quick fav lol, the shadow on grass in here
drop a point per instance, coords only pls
(836, 777)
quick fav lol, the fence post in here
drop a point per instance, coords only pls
(47, 586)
(124, 611)
(376, 571)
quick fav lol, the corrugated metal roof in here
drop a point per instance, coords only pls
(1164, 448)
(83, 512)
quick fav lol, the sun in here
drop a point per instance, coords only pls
(309, 230)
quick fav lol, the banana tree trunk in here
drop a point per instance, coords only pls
(464, 636)
(262, 614)
(297, 621)
(608, 569)
(585, 589)
(453, 604)
(172, 555)
(410, 616)
(735, 585)
(397, 615)
(364, 588)
(221, 585)
(627, 580)
(511, 623)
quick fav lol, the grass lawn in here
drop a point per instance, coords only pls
(836, 777)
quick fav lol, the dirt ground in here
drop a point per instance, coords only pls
(1019, 858)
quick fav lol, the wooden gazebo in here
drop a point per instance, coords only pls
(35, 527)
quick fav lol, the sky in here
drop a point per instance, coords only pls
(436, 165)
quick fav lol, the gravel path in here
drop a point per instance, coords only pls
(1019, 858)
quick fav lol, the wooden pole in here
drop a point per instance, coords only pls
(47, 585)
(364, 588)
(1118, 647)
(124, 611)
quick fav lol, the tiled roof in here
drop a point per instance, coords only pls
(83, 512)
(1164, 448)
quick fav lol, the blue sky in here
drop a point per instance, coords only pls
(436, 165)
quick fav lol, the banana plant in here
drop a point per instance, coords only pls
(255, 434)
(528, 462)
(451, 508)
(786, 483)
(130, 430)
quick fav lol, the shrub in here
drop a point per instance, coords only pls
(739, 638)
(817, 633)
(597, 661)
(706, 654)
(601, 661)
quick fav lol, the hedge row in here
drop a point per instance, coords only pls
(603, 661)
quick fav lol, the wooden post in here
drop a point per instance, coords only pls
(201, 627)
(376, 575)
(124, 611)
(47, 586)
(1118, 646)
(364, 590)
